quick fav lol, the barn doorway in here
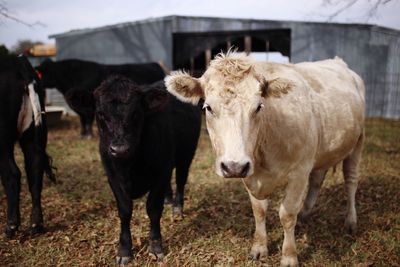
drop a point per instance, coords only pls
(193, 51)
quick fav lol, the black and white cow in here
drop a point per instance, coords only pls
(144, 133)
(77, 79)
(22, 119)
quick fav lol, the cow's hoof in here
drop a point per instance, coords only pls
(123, 260)
(350, 227)
(287, 261)
(177, 212)
(258, 251)
(86, 136)
(10, 231)
(168, 200)
(303, 216)
(156, 249)
(37, 229)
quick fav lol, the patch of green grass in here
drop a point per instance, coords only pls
(83, 227)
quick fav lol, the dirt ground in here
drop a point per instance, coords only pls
(82, 225)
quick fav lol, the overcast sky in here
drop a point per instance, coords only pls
(61, 16)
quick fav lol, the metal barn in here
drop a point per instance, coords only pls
(191, 42)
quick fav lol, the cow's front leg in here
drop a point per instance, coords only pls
(154, 208)
(124, 203)
(296, 191)
(259, 248)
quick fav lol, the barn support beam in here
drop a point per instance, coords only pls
(208, 57)
(247, 44)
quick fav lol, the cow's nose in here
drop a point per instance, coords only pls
(119, 151)
(233, 169)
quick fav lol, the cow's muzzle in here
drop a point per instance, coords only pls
(119, 150)
(232, 169)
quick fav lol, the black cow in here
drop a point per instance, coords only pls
(144, 133)
(22, 119)
(77, 79)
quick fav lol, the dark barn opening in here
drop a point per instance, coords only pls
(194, 50)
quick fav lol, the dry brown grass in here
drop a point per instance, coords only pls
(82, 223)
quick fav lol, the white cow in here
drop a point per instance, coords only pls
(277, 125)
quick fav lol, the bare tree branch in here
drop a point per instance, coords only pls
(347, 4)
(340, 10)
(5, 12)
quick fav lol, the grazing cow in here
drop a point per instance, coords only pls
(144, 133)
(22, 119)
(77, 79)
(281, 125)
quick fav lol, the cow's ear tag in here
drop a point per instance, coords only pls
(39, 74)
(156, 100)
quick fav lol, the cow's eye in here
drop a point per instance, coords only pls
(207, 108)
(259, 107)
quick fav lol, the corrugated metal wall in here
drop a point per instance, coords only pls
(373, 52)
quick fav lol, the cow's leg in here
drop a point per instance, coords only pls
(350, 173)
(296, 191)
(89, 124)
(11, 180)
(259, 248)
(315, 182)
(124, 204)
(182, 172)
(168, 193)
(154, 208)
(86, 125)
(34, 166)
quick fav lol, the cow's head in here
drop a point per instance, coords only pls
(47, 73)
(236, 96)
(121, 110)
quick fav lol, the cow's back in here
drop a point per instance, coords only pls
(71, 73)
(141, 73)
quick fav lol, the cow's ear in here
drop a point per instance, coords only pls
(155, 100)
(275, 87)
(184, 87)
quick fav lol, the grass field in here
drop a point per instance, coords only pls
(83, 227)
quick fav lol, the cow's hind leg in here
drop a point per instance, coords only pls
(315, 182)
(350, 173)
(154, 208)
(34, 167)
(182, 172)
(86, 125)
(11, 180)
(259, 248)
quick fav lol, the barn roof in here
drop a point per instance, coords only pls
(372, 27)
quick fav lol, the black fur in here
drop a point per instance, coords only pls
(77, 79)
(15, 75)
(144, 133)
